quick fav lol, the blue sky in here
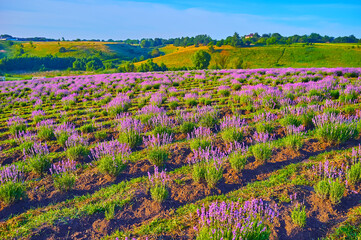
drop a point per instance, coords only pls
(116, 19)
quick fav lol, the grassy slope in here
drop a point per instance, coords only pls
(79, 49)
(318, 55)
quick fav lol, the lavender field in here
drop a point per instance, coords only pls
(202, 154)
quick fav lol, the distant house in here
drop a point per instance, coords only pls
(2, 78)
(251, 35)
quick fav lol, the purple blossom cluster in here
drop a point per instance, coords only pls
(190, 96)
(356, 154)
(157, 99)
(327, 118)
(150, 109)
(162, 120)
(293, 130)
(63, 166)
(262, 137)
(112, 148)
(65, 127)
(158, 178)
(16, 120)
(232, 122)
(121, 100)
(208, 155)
(131, 124)
(265, 117)
(234, 221)
(27, 136)
(46, 123)
(327, 170)
(37, 113)
(236, 146)
(158, 140)
(200, 133)
(76, 140)
(36, 150)
(11, 173)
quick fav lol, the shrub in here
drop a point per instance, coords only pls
(100, 135)
(87, 128)
(232, 135)
(111, 156)
(264, 127)
(63, 176)
(337, 189)
(11, 184)
(38, 158)
(223, 221)
(262, 152)
(198, 143)
(119, 104)
(46, 130)
(213, 173)
(187, 127)
(158, 156)
(16, 125)
(354, 174)
(130, 132)
(290, 120)
(238, 159)
(173, 105)
(76, 147)
(299, 215)
(335, 129)
(158, 185)
(322, 188)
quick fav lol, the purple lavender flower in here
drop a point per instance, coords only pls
(11, 173)
(63, 167)
(158, 140)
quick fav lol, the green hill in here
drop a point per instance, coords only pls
(296, 55)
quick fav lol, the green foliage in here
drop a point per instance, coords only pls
(87, 128)
(197, 143)
(238, 160)
(322, 188)
(290, 120)
(11, 192)
(111, 165)
(336, 133)
(158, 156)
(74, 153)
(173, 105)
(262, 152)
(232, 135)
(151, 66)
(209, 120)
(198, 172)
(40, 164)
(263, 127)
(354, 174)
(16, 128)
(299, 215)
(294, 141)
(100, 135)
(131, 137)
(64, 182)
(159, 192)
(337, 189)
(45, 133)
(187, 127)
(213, 174)
(191, 102)
(201, 59)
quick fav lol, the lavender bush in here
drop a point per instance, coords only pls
(335, 129)
(46, 129)
(200, 138)
(111, 156)
(76, 146)
(63, 175)
(63, 131)
(38, 158)
(234, 221)
(16, 125)
(238, 156)
(11, 184)
(158, 153)
(158, 185)
(232, 129)
(130, 132)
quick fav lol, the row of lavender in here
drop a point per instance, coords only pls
(327, 108)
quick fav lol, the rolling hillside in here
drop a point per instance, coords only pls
(297, 55)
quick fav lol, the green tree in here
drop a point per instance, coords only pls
(62, 50)
(201, 59)
(155, 52)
